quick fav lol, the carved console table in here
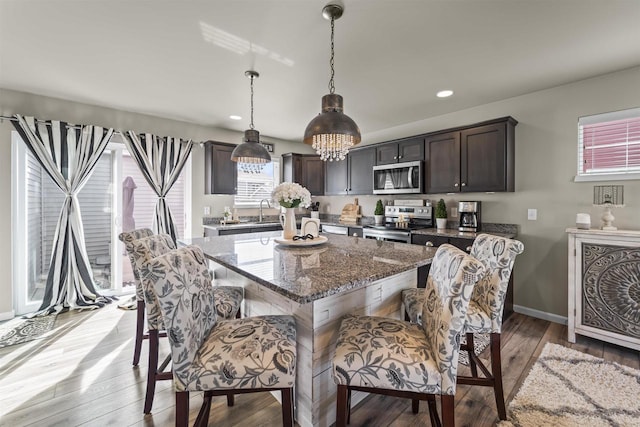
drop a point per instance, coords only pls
(604, 286)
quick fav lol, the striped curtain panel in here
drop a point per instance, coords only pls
(161, 160)
(69, 154)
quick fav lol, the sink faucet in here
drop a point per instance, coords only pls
(268, 205)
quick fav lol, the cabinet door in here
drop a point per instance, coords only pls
(387, 154)
(442, 166)
(336, 179)
(427, 240)
(464, 244)
(361, 164)
(312, 170)
(483, 158)
(411, 150)
(220, 172)
(354, 231)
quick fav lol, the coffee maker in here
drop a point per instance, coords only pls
(469, 216)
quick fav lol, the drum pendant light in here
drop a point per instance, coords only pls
(251, 155)
(332, 133)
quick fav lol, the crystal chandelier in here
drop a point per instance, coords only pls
(332, 133)
(251, 155)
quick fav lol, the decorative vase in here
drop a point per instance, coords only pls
(441, 223)
(288, 223)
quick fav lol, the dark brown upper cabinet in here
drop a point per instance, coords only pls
(354, 175)
(305, 169)
(405, 150)
(475, 158)
(220, 172)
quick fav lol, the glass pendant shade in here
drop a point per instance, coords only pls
(332, 133)
(251, 155)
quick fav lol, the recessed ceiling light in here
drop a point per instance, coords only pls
(234, 117)
(444, 93)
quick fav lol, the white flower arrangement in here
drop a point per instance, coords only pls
(291, 195)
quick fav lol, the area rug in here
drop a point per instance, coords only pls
(569, 388)
(480, 342)
(19, 330)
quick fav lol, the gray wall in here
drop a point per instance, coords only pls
(545, 165)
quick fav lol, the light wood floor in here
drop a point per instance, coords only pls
(82, 375)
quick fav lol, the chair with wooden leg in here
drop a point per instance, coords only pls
(398, 358)
(484, 316)
(228, 301)
(219, 357)
(127, 238)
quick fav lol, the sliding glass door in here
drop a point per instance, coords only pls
(115, 198)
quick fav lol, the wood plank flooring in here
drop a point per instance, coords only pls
(81, 374)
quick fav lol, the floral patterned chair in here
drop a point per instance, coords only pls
(228, 301)
(398, 358)
(484, 316)
(127, 238)
(218, 357)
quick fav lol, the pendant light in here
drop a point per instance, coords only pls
(251, 155)
(332, 133)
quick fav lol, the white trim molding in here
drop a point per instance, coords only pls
(540, 314)
(7, 315)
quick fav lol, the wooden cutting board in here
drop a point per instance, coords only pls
(350, 212)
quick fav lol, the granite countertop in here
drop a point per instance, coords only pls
(306, 274)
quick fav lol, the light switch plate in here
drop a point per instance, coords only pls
(532, 214)
(207, 210)
(454, 212)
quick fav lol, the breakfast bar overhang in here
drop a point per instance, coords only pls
(318, 285)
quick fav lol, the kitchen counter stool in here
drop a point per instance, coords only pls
(484, 316)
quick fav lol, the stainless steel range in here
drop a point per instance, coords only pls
(399, 221)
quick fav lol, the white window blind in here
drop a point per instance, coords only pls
(253, 187)
(609, 145)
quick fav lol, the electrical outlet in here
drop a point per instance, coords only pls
(454, 212)
(207, 210)
(532, 214)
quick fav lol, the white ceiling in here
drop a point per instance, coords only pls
(186, 60)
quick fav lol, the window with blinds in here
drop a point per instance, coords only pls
(609, 145)
(253, 187)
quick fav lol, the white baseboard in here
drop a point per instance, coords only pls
(540, 314)
(7, 315)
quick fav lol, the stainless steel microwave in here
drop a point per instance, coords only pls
(398, 178)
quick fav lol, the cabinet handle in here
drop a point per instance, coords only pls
(429, 244)
(395, 157)
(399, 157)
(455, 185)
(355, 234)
(468, 249)
(464, 184)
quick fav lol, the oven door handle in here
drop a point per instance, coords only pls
(389, 233)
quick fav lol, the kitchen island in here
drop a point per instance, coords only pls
(318, 285)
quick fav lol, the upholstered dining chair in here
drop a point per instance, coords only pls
(127, 238)
(403, 359)
(228, 301)
(219, 357)
(484, 315)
